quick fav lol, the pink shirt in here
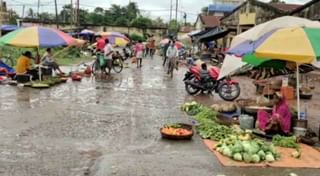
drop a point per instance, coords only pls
(139, 47)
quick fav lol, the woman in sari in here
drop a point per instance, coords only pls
(279, 121)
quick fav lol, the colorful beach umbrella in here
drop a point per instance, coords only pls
(87, 32)
(249, 40)
(37, 37)
(293, 44)
(263, 62)
(115, 38)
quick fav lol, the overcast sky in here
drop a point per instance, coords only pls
(151, 8)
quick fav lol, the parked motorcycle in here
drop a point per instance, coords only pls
(227, 88)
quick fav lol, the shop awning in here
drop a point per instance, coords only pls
(200, 33)
(213, 34)
(194, 32)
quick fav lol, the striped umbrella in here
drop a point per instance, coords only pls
(249, 40)
(37, 37)
(294, 44)
(115, 38)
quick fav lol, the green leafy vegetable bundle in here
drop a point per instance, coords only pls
(283, 141)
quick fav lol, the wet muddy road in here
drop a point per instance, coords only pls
(106, 128)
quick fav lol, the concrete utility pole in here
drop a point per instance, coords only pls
(170, 10)
(23, 7)
(56, 8)
(72, 14)
(78, 13)
(1, 16)
(177, 10)
(38, 9)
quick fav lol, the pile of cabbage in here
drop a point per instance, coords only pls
(249, 151)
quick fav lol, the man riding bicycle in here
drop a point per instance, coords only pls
(172, 54)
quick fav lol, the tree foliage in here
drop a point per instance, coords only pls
(137, 37)
(204, 10)
(13, 16)
(117, 15)
(174, 27)
(277, 1)
(141, 22)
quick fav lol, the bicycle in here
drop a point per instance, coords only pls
(117, 66)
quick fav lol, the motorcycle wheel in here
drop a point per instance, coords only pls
(229, 92)
(191, 90)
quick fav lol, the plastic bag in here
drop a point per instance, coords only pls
(134, 60)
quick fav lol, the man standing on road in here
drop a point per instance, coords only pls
(172, 54)
(165, 48)
(108, 50)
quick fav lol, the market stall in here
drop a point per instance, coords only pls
(237, 145)
(38, 37)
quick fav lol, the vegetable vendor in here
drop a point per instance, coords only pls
(279, 121)
(24, 66)
(49, 61)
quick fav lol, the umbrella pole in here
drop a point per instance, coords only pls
(298, 91)
(39, 71)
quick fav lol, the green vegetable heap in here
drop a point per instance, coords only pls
(233, 143)
(288, 142)
(192, 108)
(283, 141)
(208, 128)
(249, 151)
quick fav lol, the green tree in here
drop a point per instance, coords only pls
(46, 16)
(107, 19)
(141, 22)
(132, 11)
(13, 17)
(204, 10)
(118, 15)
(65, 14)
(30, 13)
(277, 1)
(97, 16)
(173, 27)
(158, 22)
(84, 16)
(137, 37)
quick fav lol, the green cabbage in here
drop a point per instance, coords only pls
(227, 152)
(237, 147)
(246, 157)
(246, 146)
(237, 157)
(254, 148)
(270, 158)
(262, 155)
(255, 158)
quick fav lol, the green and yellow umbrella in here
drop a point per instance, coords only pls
(295, 44)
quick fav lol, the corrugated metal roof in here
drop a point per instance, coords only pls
(222, 7)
